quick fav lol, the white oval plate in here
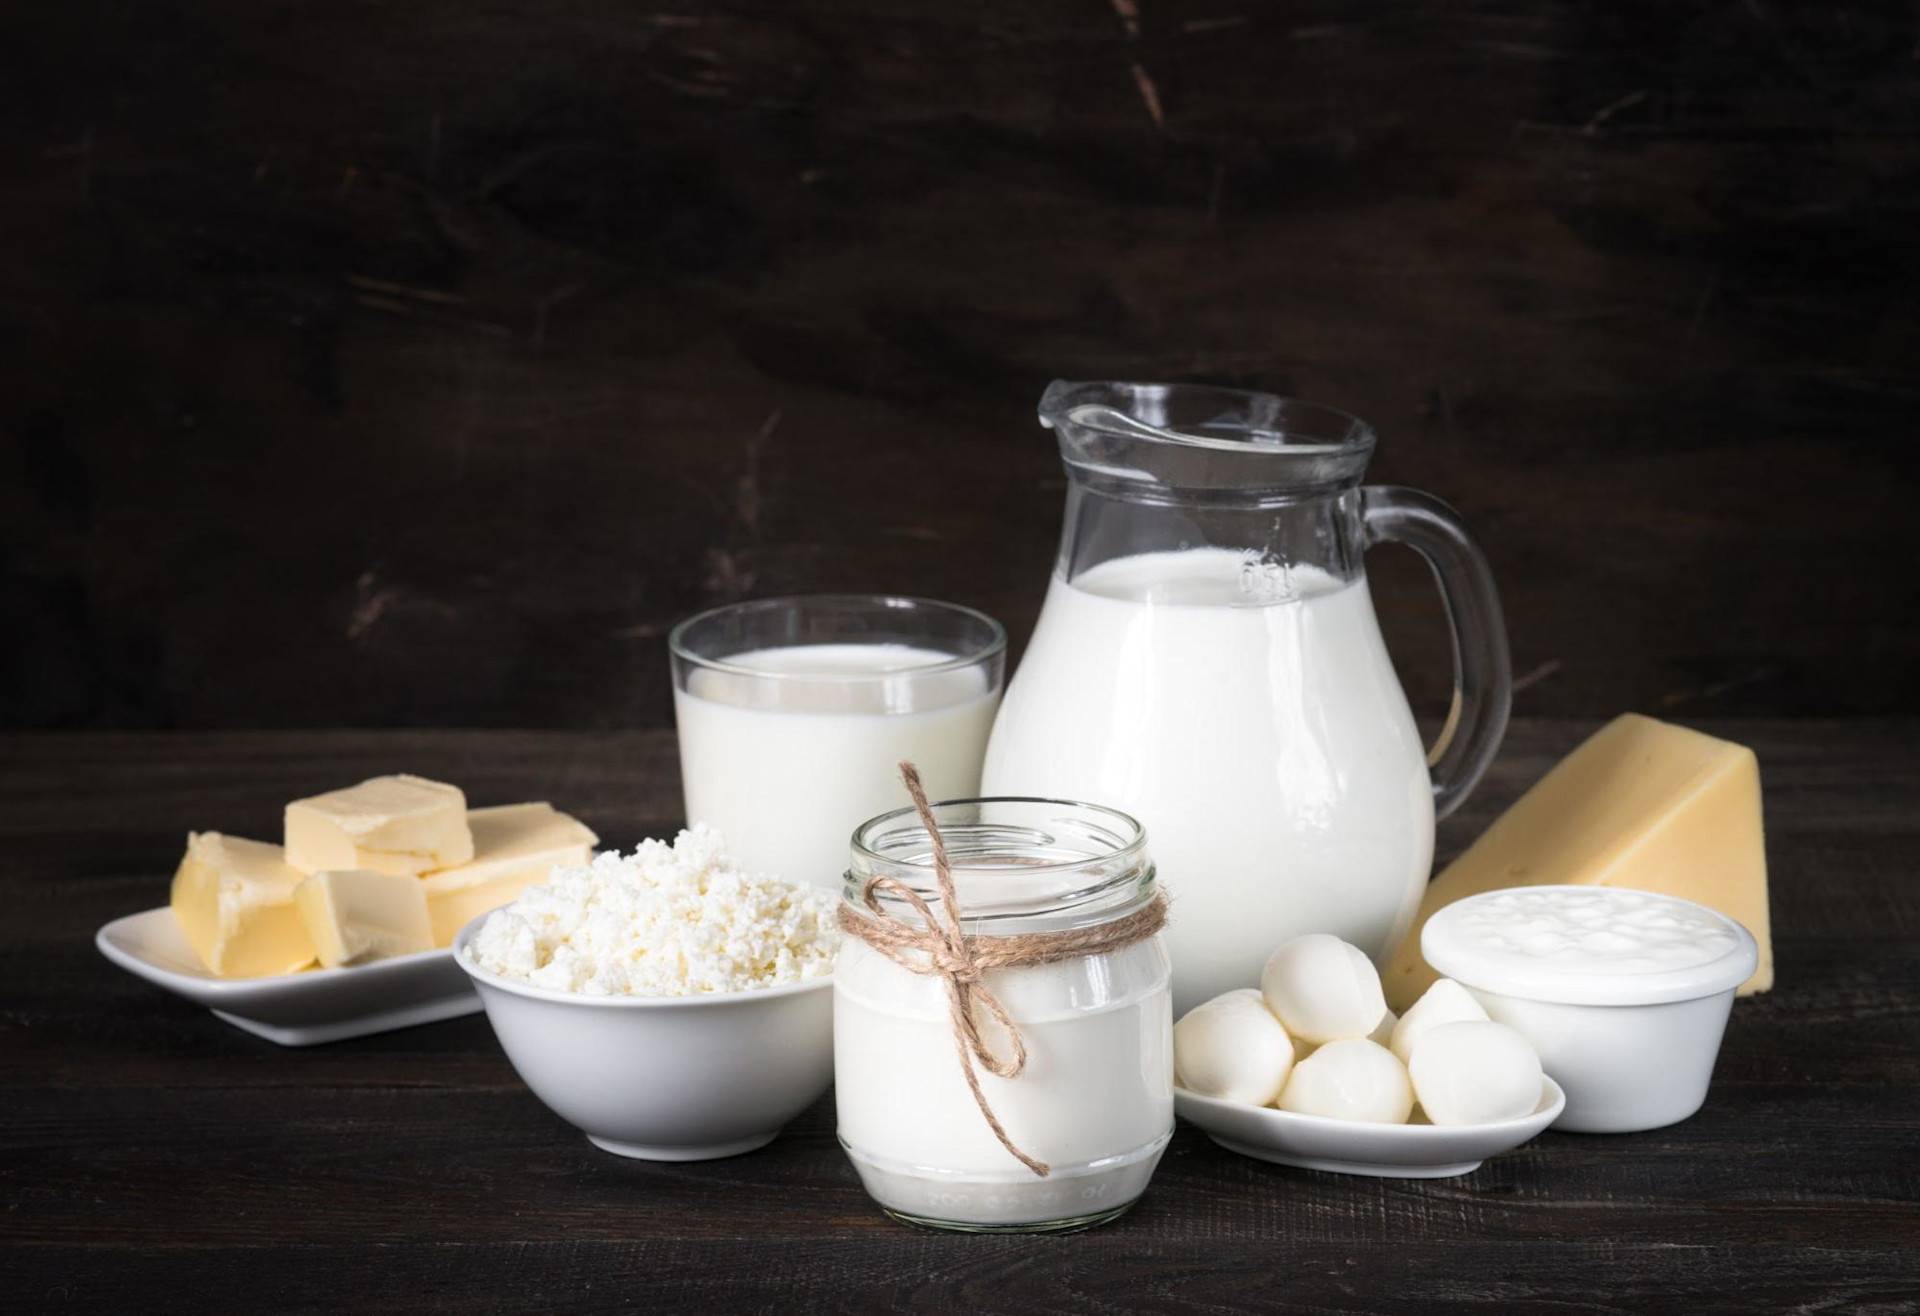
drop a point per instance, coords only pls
(1385, 1151)
(294, 1009)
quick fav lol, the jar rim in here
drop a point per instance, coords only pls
(1120, 875)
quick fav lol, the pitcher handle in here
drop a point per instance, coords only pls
(1482, 666)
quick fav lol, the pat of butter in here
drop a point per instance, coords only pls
(515, 846)
(356, 915)
(234, 900)
(1642, 804)
(386, 825)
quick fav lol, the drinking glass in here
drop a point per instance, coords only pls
(794, 713)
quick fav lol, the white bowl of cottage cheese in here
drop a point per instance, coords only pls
(669, 1005)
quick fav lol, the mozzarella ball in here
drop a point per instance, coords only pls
(1352, 1079)
(1446, 1002)
(1233, 1048)
(1475, 1072)
(1383, 1031)
(1322, 989)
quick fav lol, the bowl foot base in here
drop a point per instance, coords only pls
(378, 1021)
(1332, 1165)
(712, 1151)
(1071, 1225)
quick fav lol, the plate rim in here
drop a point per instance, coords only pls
(1430, 1136)
(209, 990)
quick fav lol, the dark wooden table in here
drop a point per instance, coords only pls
(156, 1159)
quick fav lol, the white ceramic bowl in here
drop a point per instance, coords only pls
(1633, 1046)
(665, 1078)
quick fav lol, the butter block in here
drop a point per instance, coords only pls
(1642, 804)
(398, 824)
(234, 900)
(514, 847)
(357, 915)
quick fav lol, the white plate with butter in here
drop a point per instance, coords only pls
(294, 1009)
(1384, 1151)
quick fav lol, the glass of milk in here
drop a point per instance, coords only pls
(795, 712)
(1095, 1101)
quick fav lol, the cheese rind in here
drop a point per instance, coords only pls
(234, 900)
(515, 847)
(357, 915)
(398, 824)
(1642, 804)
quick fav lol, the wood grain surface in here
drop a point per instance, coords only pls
(419, 364)
(155, 1159)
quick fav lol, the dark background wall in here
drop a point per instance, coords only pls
(420, 363)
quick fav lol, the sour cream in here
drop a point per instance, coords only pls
(1573, 932)
(1624, 994)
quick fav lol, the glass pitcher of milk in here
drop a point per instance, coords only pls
(1208, 661)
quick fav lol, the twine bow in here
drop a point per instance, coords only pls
(961, 961)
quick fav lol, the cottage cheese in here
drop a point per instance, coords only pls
(667, 920)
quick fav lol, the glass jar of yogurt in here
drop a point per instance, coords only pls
(1095, 1098)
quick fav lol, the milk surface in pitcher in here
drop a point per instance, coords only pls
(1259, 734)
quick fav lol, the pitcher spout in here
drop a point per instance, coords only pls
(1187, 437)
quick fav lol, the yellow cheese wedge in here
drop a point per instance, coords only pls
(357, 915)
(234, 900)
(1641, 804)
(386, 825)
(515, 846)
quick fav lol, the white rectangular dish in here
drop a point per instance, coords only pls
(294, 1009)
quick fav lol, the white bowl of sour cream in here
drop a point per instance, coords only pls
(1625, 994)
(664, 1078)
